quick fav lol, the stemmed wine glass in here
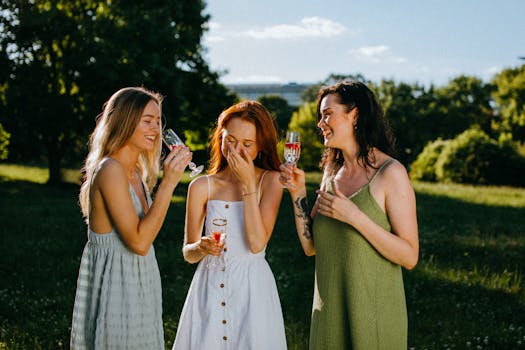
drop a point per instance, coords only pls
(218, 233)
(292, 147)
(171, 139)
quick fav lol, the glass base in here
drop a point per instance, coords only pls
(197, 170)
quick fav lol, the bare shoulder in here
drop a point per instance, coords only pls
(394, 175)
(199, 182)
(271, 177)
(109, 170)
(199, 187)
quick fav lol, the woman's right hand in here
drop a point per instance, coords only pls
(175, 163)
(292, 178)
(210, 246)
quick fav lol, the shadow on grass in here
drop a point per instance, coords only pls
(447, 315)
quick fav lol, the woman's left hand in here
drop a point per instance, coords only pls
(241, 165)
(336, 206)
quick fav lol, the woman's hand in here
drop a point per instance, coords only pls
(175, 163)
(210, 246)
(336, 206)
(242, 167)
(292, 178)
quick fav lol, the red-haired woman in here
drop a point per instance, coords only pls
(237, 305)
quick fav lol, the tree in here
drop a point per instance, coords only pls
(510, 97)
(67, 57)
(465, 102)
(280, 110)
(406, 116)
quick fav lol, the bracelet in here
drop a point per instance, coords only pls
(249, 193)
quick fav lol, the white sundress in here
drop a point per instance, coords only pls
(234, 308)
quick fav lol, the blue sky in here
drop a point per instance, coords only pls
(425, 41)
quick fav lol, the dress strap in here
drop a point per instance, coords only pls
(209, 186)
(260, 186)
(384, 165)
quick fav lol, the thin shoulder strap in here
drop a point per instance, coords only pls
(209, 185)
(384, 165)
(260, 187)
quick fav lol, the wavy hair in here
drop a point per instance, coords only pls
(266, 136)
(114, 127)
(372, 128)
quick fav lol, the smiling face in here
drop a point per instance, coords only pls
(336, 123)
(240, 134)
(146, 134)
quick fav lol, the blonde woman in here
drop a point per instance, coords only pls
(118, 301)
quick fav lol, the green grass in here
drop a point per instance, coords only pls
(467, 291)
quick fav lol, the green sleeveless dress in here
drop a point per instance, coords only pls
(359, 298)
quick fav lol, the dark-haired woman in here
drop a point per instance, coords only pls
(235, 306)
(362, 228)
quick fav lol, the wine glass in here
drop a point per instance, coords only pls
(171, 139)
(218, 233)
(292, 147)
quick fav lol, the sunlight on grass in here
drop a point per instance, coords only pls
(488, 195)
(509, 281)
(24, 173)
(35, 174)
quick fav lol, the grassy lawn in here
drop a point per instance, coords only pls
(467, 291)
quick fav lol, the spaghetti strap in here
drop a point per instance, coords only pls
(384, 165)
(260, 187)
(209, 186)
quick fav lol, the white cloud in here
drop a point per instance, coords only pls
(252, 79)
(376, 54)
(308, 27)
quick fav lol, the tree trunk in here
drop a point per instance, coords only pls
(54, 159)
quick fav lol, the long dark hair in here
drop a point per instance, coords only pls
(266, 135)
(372, 128)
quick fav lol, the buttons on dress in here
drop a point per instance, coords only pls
(223, 321)
(222, 285)
(227, 206)
(225, 338)
(223, 303)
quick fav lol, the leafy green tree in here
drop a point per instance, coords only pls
(65, 58)
(465, 102)
(510, 97)
(406, 115)
(280, 110)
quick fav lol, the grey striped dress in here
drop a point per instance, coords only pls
(118, 302)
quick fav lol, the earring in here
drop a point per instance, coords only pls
(355, 126)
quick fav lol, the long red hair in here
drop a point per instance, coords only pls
(266, 136)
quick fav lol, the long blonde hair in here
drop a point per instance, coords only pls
(115, 125)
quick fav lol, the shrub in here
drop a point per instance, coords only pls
(424, 167)
(472, 157)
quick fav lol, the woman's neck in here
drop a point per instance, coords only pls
(128, 159)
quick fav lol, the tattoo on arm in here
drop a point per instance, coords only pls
(303, 210)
